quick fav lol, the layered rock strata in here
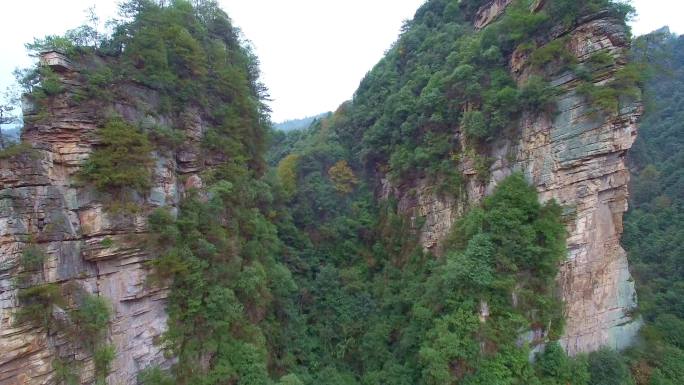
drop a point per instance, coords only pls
(88, 247)
(577, 157)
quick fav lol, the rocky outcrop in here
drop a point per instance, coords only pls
(489, 12)
(88, 247)
(431, 212)
(576, 157)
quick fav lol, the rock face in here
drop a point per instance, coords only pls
(576, 157)
(489, 12)
(88, 248)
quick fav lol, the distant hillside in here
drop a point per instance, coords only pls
(296, 124)
(11, 132)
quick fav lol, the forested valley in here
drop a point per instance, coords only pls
(286, 266)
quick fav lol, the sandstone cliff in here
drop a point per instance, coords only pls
(88, 248)
(577, 157)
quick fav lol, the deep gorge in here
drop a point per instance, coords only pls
(458, 221)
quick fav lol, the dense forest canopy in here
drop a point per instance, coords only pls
(289, 270)
(654, 226)
(377, 308)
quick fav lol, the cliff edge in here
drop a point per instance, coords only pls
(577, 157)
(88, 248)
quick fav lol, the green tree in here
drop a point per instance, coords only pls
(121, 162)
(474, 125)
(92, 317)
(607, 367)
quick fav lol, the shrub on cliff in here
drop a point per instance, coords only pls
(121, 162)
(508, 248)
(102, 358)
(568, 12)
(92, 317)
(37, 304)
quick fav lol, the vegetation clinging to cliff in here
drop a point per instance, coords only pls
(377, 309)
(443, 78)
(227, 286)
(64, 309)
(218, 255)
(191, 56)
(303, 275)
(122, 163)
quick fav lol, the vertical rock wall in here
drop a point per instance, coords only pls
(88, 248)
(576, 157)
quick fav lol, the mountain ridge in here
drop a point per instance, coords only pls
(147, 240)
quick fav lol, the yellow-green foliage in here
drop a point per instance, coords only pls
(287, 174)
(98, 84)
(123, 160)
(567, 12)
(343, 177)
(31, 263)
(32, 258)
(602, 98)
(628, 80)
(473, 124)
(40, 83)
(601, 59)
(65, 372)
(50, 82)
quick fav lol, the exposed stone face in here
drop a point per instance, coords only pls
(576, 157)
(489, 12)
(87, 246)
(430, 212)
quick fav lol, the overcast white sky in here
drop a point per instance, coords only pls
(313, 52)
